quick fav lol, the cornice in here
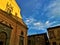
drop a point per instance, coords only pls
(13, 18)
(53, 27)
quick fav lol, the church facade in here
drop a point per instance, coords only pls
(13, 30)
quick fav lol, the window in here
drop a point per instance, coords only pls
(58, 34)
(54, 43)
(29, 42)
(3, 37)
(21, 40)
(59, 43)
(51, 34)
(47, 43)
(1, 42)
(22, 33)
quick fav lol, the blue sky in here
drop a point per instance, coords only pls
(40, 14)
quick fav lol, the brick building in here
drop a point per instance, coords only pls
(13, 30)
(38, 39)
(54, 35)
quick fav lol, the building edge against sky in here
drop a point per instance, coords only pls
(13, 30)
(12, 6)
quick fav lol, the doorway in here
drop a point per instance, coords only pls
(1, 42)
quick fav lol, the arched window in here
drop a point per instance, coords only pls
(22, 33)
(21, 38)
(3, 37)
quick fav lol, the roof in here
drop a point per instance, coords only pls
(38, 34)
(53, 27)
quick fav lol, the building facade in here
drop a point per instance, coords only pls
(54, 35)
(13, 30)
(38, 39)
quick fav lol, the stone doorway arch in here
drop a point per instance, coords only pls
(3, 37)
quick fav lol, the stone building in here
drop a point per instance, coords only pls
(38, 39)
(54, 35)
(13, 30)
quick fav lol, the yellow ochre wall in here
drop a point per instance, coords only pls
(16, 9)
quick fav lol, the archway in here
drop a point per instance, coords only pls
(3, 37)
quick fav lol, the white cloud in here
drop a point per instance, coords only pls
(33, 24)
(55, 25)
(37, 24)
(51, 5)
(29, 20)
(47, 22)
(56, 8)
(52, 10)
(51, 17)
